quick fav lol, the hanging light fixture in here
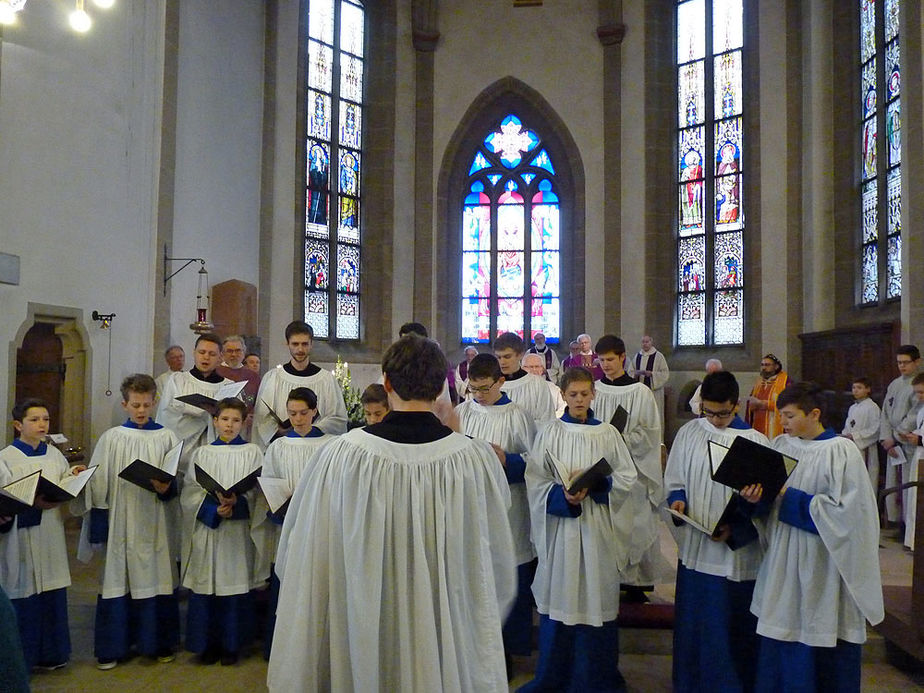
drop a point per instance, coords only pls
(202, 323)
(79, 20)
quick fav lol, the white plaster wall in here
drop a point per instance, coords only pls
(79, 117)
(218, 149)
(490, 39)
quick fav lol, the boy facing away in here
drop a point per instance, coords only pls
(580, 558)
(136, 606)
(219, 556)
(823, 528)
(715, 639)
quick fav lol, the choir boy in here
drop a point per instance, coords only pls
(375, 403)
(527, 390)
(862, 427)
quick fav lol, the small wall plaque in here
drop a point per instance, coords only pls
(9, 269)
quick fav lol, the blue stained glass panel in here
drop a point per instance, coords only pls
(348, 268)
(729, 317)
(479, 163)
(476, 274)
(867, 29)
(510, 232)
(869, 148)
(317, 202)
(477, 196)
(316, 313)
(691, 100)
(351, 28)
(351, 126)
(893, 75)
(894, 191)
(691, 31)
(351, 78)
(476, 227)
(728, 84)
(692, 263)
(893, 126)
(894, 267)
(319, 120)
(691, 154)
(320, 63)
(527, 178)
(546, 275)
(545, 229)
(728, 146)
(510, 315)
(349, 173)
(347, 316)
(543, 160)
(726, 25)
(691, 322)
(869, 88)
(494, 177)
(510, 273)
(869, 268)
(546, 318)
(349, 219)
(317, 265)
(321, 20)
(729, 261)
(870, 201)
(476, 320)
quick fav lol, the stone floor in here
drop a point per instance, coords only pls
(645, 658)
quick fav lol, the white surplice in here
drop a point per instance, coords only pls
(274, 392)
(580, 558)
(191, 424)
(510, 427)
(863, 421)
(636, 520)
(140, 559)
(285, 458)
(34, 559)
(219, 561)
(397, 570)
(532, 394)
(820, 588)
(688, 470)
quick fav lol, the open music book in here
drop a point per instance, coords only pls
(140, 472)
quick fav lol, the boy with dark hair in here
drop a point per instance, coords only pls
(375, 403)
(577, 581)
(285, 458)
(488, 414)
(715, 643)
(899, 417)
(396, 560)
(527, 390)
(136, 607)
(33, 556)
(219, 553)
(637, 518)
(298, 372)
(412, 328)
(862, 427)
(824, 529)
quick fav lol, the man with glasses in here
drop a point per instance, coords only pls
(899, 418)
(761, 412)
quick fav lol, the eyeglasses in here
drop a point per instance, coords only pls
(480, 390)
(903, 362)
(708, 414)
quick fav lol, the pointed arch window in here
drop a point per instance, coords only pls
(710, 230)
(333, 145)
(880, 156)
(511, 238)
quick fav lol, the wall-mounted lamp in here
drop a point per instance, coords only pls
(104, 319)
(202, 324)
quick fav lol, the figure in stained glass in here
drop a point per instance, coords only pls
(317, 271)
(726, 200)
(318, 169)
(692, 173)
(691, 276)
(347, 275)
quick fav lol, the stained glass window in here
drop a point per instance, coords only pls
(333, 146)
(511, 238)
(880, 152)
(710, 172)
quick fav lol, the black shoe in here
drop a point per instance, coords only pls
(228, 658)
(210, 656)
(635, 595)
(165, 655)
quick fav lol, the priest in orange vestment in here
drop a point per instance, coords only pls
(761, 413)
